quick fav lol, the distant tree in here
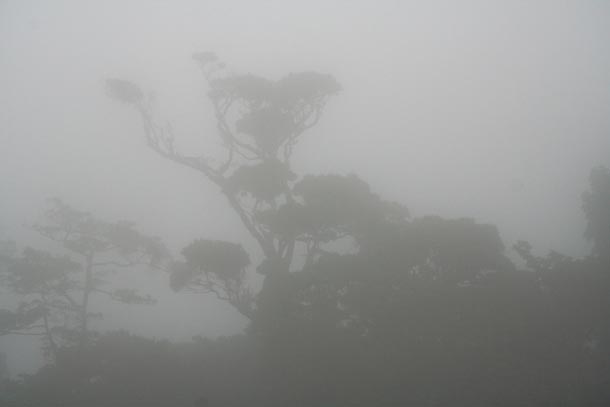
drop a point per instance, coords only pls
(596, 205)
(576, 292)
(596, 208)
(55, 289)
(44, 282)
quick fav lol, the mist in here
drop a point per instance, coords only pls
(482, 120)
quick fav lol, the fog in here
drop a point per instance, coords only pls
(492, 110)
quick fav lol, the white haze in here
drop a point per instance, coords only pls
(489, 109)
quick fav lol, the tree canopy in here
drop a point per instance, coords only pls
(361, 303)
(55, 289)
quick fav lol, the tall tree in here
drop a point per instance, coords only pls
(259, 122)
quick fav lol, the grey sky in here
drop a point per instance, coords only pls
(491, 109)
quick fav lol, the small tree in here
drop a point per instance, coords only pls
(45, 283)
(56, 289)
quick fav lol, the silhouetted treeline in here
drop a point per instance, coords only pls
(361, 304)
(427, 312)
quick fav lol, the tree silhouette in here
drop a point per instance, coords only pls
(45, 283)
(259, 122)
(56, 289)
(596, 205)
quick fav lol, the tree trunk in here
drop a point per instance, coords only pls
(85, 304)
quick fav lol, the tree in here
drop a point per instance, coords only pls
(56, 289)
(259, 122)
(44, 282)
(596, 205)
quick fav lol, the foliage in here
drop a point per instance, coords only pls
(213, 256)
(596, 205)
(259, 121)
(360, 304)
(216, 267)
(55, 288)
(124, 91)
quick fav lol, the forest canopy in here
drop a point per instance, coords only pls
(360, 301)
